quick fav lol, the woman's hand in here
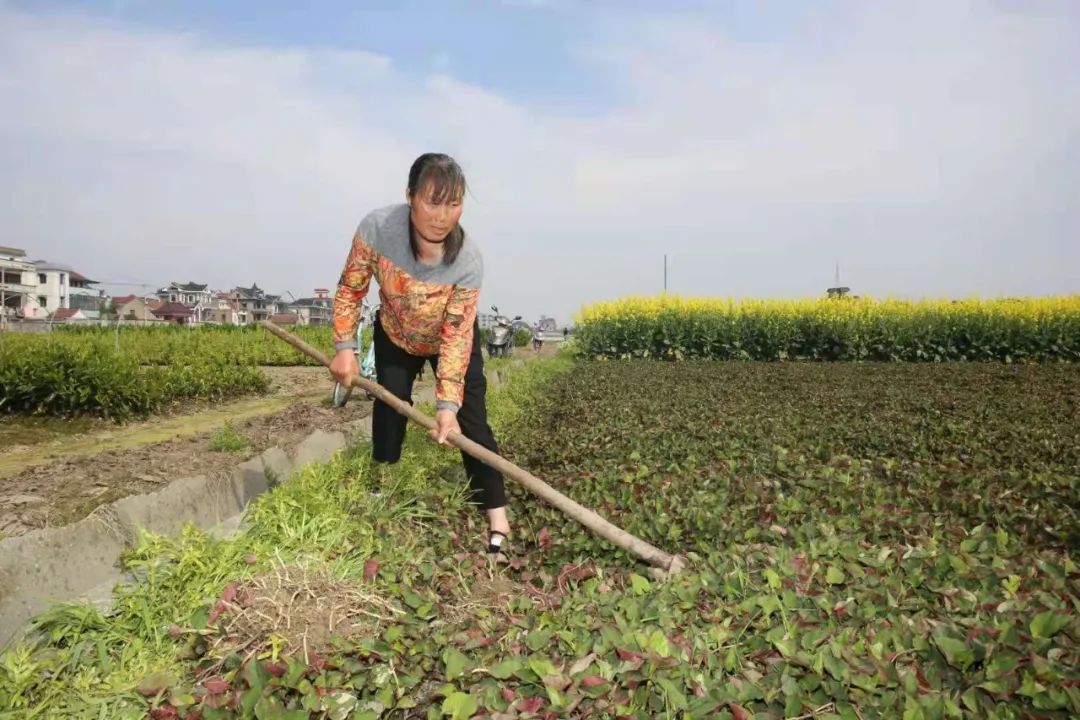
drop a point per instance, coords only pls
(344, 366)
(447, 421)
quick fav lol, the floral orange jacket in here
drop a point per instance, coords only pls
(427, 310)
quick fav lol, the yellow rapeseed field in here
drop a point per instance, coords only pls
(863, 328)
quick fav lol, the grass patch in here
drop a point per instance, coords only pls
(227, 439)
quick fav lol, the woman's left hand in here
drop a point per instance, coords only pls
(447, 421)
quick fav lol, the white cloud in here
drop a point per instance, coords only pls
(932, 149)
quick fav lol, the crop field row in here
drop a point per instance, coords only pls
(68, 379)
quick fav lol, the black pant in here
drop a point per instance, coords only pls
(395, 370)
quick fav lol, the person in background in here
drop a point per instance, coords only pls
(430, 272)
(538, 338)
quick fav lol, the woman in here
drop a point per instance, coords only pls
(429, 272)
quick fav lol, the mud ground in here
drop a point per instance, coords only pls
(63, 478)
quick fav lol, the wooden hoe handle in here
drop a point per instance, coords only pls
(657, 558)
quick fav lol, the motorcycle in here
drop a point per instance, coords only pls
(501, 335)
(367, 364)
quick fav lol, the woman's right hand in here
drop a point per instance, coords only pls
(344, 366)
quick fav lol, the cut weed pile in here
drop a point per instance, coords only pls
(866, 541)
(298, 609)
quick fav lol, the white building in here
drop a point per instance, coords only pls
(60, 287)
(17, 282)
(36, 290)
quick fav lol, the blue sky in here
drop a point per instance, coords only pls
(522, 49)
(932, 148)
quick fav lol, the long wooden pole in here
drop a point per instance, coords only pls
(617, 536)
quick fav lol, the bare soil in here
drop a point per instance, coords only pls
(54, 478)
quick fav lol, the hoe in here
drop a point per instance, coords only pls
(662, 563)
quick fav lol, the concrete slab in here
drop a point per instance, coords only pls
(56, 565)
(319, 446)
(200, 500)
(80, 562)
(362, 428)
(276, 465)
(249, 481)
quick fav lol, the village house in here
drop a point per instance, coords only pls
(131, 308)
(173, 312)
(44, 288)
(194, 296)
(224, 310)
(254, 304)
(318, 310)
(285, 319)
(61, 287)
(17, 282)
(68, 315)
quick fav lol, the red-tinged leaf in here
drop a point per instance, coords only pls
(544, 539)
(165, 712)
(738, 711)
(194, 714)
(214, 614)
(592, 681)
(508, 694)
(370, 568)
(628, 655)
(175, 631)
(215, 685)
(977, 631)
(699, 691)
(276, 669)
(250, 559)
(230, 592)
(530, 705)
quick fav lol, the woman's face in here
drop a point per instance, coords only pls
(434, 220)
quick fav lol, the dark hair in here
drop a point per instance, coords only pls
(447, 181)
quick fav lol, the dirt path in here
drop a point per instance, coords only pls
(57, 477)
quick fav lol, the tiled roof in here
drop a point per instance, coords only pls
(172, 309)
(77, 276)
(62, 314)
